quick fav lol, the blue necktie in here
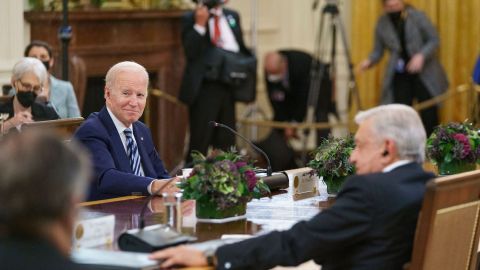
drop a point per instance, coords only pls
(132, 152)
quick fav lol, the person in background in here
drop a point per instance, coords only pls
(413, 72)
(208, 27)
(28, 78)
(371, 224)
(122, 150)
(38, 202)
(287, 79)
(57, 94)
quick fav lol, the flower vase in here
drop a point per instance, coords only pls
(210, 210)
(334, 184)
(454, 167)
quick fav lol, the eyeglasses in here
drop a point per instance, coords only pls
(29, 87)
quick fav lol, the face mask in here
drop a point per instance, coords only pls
(46, 64)
(395, 16)
(26, 98)
(274, 78)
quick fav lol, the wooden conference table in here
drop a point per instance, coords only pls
(265, 214)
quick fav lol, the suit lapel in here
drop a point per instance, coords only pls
(117, 150)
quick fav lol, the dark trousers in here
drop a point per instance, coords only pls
(406, 88)
(214, 103)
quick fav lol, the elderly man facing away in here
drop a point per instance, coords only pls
(372, 223)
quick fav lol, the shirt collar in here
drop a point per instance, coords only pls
(118, 125)
(395, 165)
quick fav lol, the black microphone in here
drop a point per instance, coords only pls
(269, 166)
(151, 238)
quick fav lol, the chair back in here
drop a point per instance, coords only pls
(447, 232)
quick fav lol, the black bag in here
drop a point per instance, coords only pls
(237, 70)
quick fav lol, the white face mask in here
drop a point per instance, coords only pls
(274, 78)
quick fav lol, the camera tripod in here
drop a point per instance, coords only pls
(319, 69)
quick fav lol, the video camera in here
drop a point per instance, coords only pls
(209, 3)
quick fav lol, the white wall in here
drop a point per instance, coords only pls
(13, 32)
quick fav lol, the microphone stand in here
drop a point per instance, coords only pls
(269, 166)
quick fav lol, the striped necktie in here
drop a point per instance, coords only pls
(132, 152)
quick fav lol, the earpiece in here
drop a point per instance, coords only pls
(385, 153)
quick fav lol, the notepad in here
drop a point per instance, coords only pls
(108, 259)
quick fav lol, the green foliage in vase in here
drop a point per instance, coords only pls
(224, 178)
(331, 158)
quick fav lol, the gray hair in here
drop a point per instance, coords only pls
(121, 67)
(401, 124)
(40, 178)
(29, 64)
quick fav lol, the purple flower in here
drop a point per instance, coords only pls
(251, 179)
(240, 164)
(463, 140)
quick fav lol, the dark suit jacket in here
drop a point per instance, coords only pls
(196, 47)
(295, 96)
(371, 225)
(40, 112)
(32, 254)
(113, 174)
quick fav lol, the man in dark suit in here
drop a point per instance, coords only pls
(208, 27)
(42, 181)
(125, 159)
(372, 223)
(287, 78)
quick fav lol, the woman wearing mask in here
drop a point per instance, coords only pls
(28, 77)
(413, 71)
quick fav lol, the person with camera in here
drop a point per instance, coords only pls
(413, 72)
(206, 29)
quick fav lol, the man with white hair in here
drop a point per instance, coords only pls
(125, 159)
(372, 223)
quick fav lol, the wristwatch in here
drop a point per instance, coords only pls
(210, 256)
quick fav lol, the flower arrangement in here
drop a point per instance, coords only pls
(224, 179)
(331, 161)
(454, 143)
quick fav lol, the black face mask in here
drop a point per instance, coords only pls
(26, 98)
(46, 64)
(395, 16)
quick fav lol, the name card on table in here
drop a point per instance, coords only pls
(303, 183)
(93, 229)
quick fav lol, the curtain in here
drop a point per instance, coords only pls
(458, 25)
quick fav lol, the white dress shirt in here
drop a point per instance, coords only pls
(396, 164)
(227, 38)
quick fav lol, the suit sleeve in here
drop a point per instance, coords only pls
(378, 46)
(428, 34)
(194, 44)
(327, 233)
(107, 177)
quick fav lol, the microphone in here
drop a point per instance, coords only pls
(269, 166)
(151, 238)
